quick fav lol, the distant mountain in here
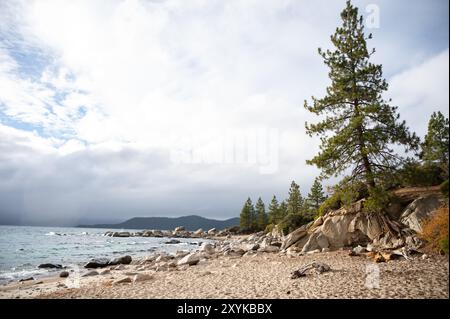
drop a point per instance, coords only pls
(192, 223)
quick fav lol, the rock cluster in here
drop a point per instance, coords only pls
(178, 232)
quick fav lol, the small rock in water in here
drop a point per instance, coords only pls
(64, 274)
(57, 266)
(172, 242)
(26, 279)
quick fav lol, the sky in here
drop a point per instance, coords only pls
(111, 109)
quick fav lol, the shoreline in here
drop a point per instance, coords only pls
(254, 274)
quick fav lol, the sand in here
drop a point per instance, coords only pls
(266, 275)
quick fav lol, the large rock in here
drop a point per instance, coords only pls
(294, 237)
(147, 233)
(104, 262)
(124, 260)
(121, 234)
(276, 232)
(348, 226)
(191, 259)
(97, 263)
(198, 232)
(207, 248)
(419, 211)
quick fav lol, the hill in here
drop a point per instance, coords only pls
(192, 223)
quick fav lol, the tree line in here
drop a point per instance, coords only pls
(291, 212)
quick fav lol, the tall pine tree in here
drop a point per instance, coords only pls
(247, 217)
(261, 217)
(282, 211)
(274, 211)
(359, 126)
(435, 147)
(315, 198)
(295, 202)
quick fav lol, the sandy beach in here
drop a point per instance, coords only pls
(261, 275)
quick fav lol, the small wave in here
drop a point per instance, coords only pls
(52, 233)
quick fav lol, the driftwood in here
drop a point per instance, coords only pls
(317, 266)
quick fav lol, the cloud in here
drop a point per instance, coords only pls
(422, 90)
(100, 94)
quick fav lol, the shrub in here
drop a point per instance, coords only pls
(414, 174)
(435, 231)
(331, 203)
(378, 200)
(345, 193)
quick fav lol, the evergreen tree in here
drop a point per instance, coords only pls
(295, 202)
(247, 217)
(435, 147)
(359, 126)
(261, 216)
(274, 211)
(316, 197)
(282, 211)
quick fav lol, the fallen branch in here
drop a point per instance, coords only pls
(317, 266)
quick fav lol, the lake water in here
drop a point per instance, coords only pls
(23, 248)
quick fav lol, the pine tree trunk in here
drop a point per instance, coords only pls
(370, 182)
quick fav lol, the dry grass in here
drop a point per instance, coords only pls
(435, 231)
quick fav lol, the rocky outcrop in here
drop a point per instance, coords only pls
(352, 226)
(419, 211)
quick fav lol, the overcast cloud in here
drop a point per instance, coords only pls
(101, 101)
